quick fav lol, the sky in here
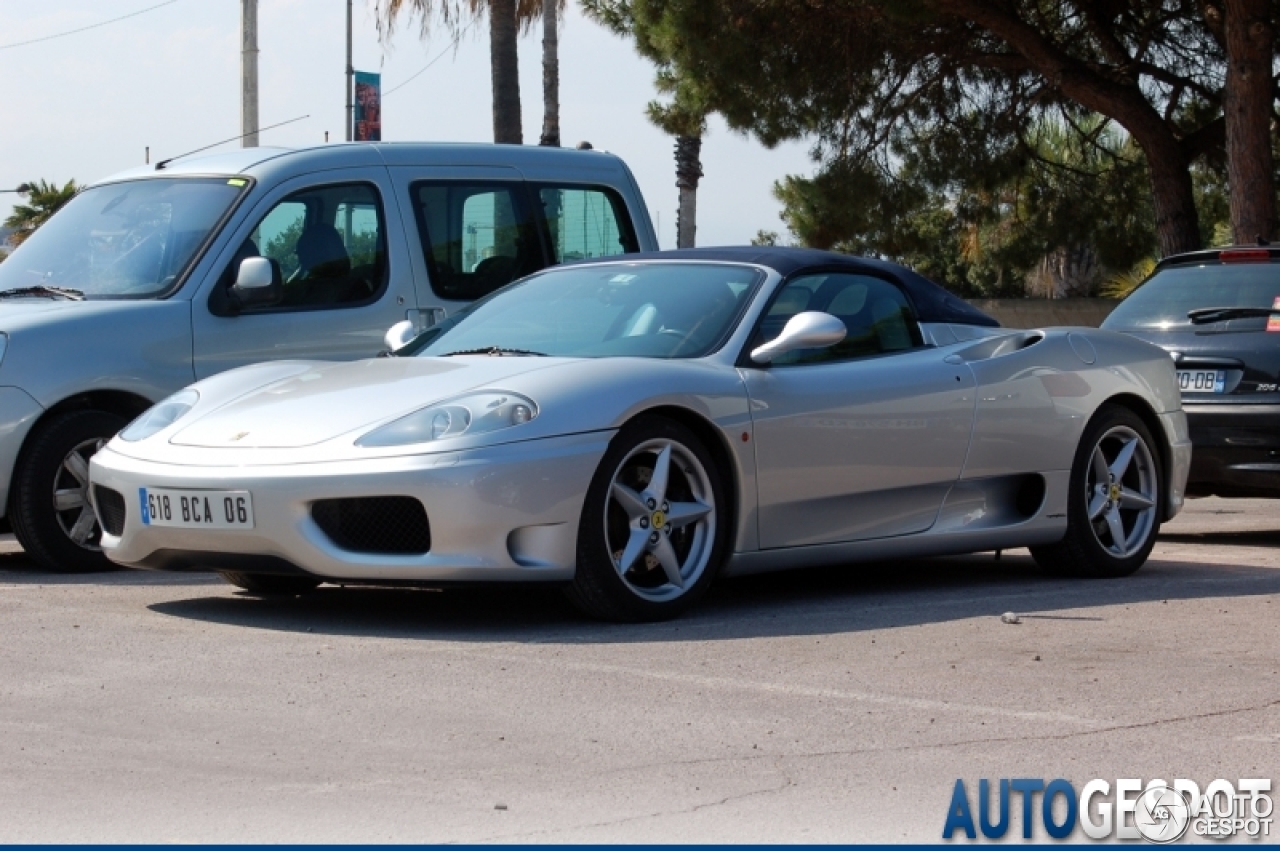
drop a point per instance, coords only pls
(87, 105)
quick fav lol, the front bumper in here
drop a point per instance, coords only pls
(502, 513)
(18, 412)
(1237, 450)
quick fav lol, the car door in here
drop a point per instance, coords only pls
(862, 439)
(347, 277)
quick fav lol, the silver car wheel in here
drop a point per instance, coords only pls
(1121, 491)
(659, 519)
(71, 504)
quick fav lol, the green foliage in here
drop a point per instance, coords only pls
(1121, 284)
(281, 247)
(766, 238)
(43, 200)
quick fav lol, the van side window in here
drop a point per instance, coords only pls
(330, 242)
(586, 222)
(476, 236)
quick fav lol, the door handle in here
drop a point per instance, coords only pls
(423, 319)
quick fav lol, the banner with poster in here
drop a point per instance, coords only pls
(367, 114)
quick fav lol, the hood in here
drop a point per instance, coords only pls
(21, 314)
(323, 401)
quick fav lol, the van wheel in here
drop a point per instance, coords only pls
(50, 509)
(266, 585)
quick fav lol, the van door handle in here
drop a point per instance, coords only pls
(425, 318)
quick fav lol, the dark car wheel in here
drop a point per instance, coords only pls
(50, 509)
(270, 586)
(654, 525)
(1115, 499)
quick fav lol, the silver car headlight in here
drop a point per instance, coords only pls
(160, 416)
(475, 413)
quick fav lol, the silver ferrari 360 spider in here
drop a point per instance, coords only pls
(634, 427)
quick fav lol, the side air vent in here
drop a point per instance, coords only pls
(111, 511)
(379, 525)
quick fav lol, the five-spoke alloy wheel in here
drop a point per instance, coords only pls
(653, 525)
(1115, 500)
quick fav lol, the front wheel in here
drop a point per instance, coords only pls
(1114, 505)
(266, 585)
(51, 513)
(654, 525)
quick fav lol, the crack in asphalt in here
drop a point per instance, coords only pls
(787, 782)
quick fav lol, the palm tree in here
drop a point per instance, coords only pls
(43, 200)
(507, 18)
(687, 121)
(550, 74)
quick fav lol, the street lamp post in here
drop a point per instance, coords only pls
(22, 189)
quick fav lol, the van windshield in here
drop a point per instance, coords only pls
(122, 240)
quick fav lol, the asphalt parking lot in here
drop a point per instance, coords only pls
(832, 705)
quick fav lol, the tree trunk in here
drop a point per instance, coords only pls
(1177, 225)
(1247, 109)
(505, 72)
(688, 173)
(550, 76)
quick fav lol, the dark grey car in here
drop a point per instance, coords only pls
(1217, 313)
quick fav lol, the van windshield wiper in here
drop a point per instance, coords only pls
(496, 352)
(1205, 315)
(43, 291)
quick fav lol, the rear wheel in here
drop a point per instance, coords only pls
(50, 510)
(270, 586)
(1113, 509)
(654, 525)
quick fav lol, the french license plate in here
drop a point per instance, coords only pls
(196, 509)
(1202, 380)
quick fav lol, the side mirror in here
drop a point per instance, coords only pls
(812, 329)
(258, 284)
(399, 335)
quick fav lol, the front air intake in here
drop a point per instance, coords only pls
(111, 511)
(379, 525)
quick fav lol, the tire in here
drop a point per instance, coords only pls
(266, 585)
(49, 505)
(1114, 505)
(648, 549)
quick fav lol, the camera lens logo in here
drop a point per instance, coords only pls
(1161, 814)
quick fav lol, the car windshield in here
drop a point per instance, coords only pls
(652, 310)
(1163, 301)
(122, 240)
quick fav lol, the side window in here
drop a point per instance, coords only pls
(330, 244)
(877, 316)
(476, 236)
(586, 222)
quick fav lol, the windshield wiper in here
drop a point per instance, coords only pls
(43, 291)
(1205, 315)
(496, 352)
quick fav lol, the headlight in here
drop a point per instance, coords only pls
(4, 344)
(477, 413)
(160, 416)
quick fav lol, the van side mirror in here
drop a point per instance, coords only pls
(811, 329)
(258, 284)
(399, 335)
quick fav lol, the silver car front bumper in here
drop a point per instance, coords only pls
(503, 513)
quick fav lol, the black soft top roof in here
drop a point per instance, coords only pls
(932, 302)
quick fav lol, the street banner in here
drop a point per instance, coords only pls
(367, 115)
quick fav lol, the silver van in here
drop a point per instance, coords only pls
(163, 275)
